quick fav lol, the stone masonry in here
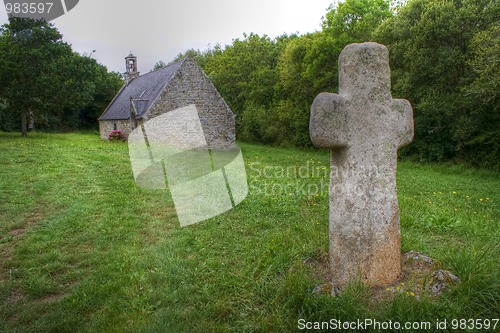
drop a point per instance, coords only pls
(363, 127)
(189, 86)
(106, 126)
(177, 86)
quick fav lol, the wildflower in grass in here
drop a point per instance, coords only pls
(435, 193)
(487, 199)
(481, 199)
(454, 192)
(412, 294)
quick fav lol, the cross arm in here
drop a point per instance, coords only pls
(404, 121)
(328, 126)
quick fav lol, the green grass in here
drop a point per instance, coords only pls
(83, 249)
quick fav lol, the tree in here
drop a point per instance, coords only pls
(354, 21)
(432, 53)
(482, 93)
(308, 65)
(103, 87)
(485, 66)
(27, 54)
(242, 69)
(159, 65)
(44, 80)
(201, 57)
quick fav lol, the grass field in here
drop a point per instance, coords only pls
(83, 249)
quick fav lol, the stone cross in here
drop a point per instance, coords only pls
(364, 128)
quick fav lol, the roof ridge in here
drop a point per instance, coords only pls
(163, 68)
(165, 84)
(151, 87)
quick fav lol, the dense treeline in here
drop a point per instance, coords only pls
(44, 84)
(444, 59)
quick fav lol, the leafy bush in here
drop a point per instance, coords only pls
(117, 135)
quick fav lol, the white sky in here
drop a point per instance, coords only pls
(159, 30)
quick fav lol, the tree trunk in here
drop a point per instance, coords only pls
(24, 124)
(31, 124)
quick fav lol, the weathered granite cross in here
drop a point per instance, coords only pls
(364, 127)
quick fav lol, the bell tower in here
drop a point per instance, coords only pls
(131, 67)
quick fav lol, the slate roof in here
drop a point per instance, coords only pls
(143, 89)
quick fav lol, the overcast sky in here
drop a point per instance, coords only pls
(159, 30)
